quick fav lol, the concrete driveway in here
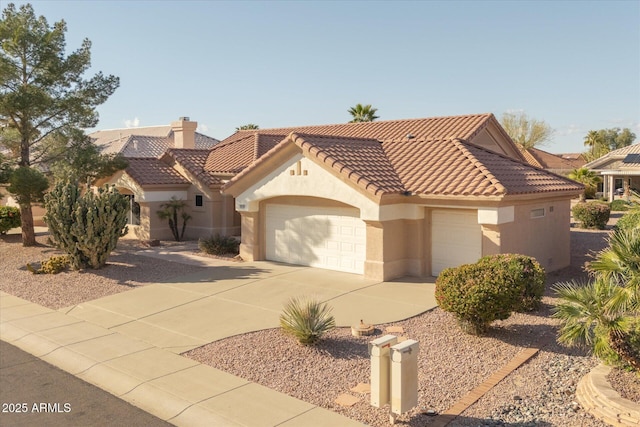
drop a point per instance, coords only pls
(230, 298)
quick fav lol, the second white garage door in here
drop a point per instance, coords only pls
(456, 238)
(331, 238)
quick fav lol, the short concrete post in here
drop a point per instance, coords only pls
(380, 369)
(404, 376)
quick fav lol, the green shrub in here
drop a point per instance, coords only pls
(476, 296)
(620, 205)
(306, 319)
(607, 354)
(86, 226)
(53, 265)
(629, 220)
(592, 215)
(219, 245)
(513, 270)
(9, 218)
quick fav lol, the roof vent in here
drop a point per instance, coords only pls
(184, 119)
(410, 136)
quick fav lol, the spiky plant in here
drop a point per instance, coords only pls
(307, 319)
(591, 316)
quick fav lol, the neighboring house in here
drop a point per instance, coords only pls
(556, 163)
(620, 170)
(394, 198)
(154, 176)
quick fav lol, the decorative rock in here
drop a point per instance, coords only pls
(346, 400)
(395, 329)
(362, 329)
(362, 388)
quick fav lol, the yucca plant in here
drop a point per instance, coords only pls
(307, 319)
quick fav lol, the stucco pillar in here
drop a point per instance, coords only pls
(610, 184)
(490, 239)
(374, 261)
(250, 242)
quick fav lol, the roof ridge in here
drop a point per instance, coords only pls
(460, 144)
(366, 123)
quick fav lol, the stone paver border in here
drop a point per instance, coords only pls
(598, 398)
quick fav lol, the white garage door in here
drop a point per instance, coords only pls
(456, 238)
(331, 238)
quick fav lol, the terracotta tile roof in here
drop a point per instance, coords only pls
(363, 161)
(516, 177)
(464, 127)
(234, 155)
(149, 171)
(193, 161)
(608, 160)
(545, 160)
(423, 167)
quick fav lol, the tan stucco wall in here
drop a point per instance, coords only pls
(547, 239)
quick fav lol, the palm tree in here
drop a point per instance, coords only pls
(605, 313)
(588, 319)
(587, 177)
(363, 113)
(594, 141)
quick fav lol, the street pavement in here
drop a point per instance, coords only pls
(35, 393)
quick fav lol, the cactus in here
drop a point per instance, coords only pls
(86, 226)
(53, 265)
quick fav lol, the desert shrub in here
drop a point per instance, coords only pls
(219, 245)
(592, 215)
(9, 218)
(513, 270)
(629, 220)
(53, 265)
(620, 205)
(306, 319)
(476, 296)
(607, 354)
(86, 226)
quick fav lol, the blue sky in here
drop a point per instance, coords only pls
(574, 64)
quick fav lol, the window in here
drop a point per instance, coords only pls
(134, 210)
(199, 200)
(537, 213)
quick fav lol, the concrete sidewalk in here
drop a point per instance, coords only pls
(129, 343)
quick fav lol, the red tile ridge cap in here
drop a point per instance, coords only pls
(460, 144)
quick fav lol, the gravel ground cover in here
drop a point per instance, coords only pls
(541, 392)
(124, 271)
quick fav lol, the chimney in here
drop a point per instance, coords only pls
(184, 133)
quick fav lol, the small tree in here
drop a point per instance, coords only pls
(525, 131)
(87, 227)
(171, 211)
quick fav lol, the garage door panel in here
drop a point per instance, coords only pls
(333, 238)
(456, 238)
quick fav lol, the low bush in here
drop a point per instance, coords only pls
(306, 319)
(592, 215)
(620, 205)
(629, 220)
(219, 245)
(9, 218)
(53, 265)
(477, 296)
(513, 270)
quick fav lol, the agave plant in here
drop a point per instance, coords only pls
(307, 319)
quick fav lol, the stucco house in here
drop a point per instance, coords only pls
(556, 163)
(620, 171)
(149, 181)
(393, 198)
